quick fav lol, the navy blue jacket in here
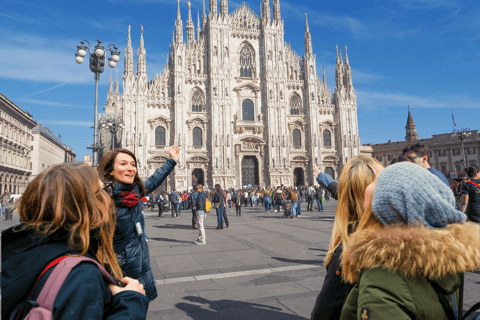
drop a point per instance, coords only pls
(201, 201)
(84, 294)
(193, 200)
(134, 259)
(218, 198)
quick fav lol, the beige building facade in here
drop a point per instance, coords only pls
(244, 107)
(48, 149)
(445, 150)
(15, 146)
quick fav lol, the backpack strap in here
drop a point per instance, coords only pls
(476, 185)
(446, 306)
(56, 279)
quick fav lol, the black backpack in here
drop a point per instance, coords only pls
(172, 198)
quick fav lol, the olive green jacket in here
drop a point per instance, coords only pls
(392, 267)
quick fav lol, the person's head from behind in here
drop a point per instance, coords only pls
(69, 198)
(120, 165)
(199, 188)
(399, 159)
(217, 188)
(357, 174)
(418, 154)
(473, 172)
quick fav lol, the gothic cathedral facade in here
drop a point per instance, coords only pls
(243, 106)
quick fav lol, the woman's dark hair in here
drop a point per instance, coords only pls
(399, 159)
(472, 171)
(105, 168)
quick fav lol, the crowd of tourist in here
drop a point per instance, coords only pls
(399, 248)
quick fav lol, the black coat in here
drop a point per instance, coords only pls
(334, 291)
(134, 257)
(84, 294)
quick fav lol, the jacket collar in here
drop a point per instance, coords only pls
(419, 251)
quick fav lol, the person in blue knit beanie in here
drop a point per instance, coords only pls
(410, 250)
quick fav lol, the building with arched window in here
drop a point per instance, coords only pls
(244, 107)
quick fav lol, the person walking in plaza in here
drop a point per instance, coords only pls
(218, 204)
(173, 198)
(118, 169)
(357, 174)
(161, 204)
(418, 154)
(319, 197)
(66, 217)
(229, 199)
(200, 204)
(267, 202)
(311, 198)
(185, 200)
(470, 195)
(193, 201)
(412, 247)
(237, 202)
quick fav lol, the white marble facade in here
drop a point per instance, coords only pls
(243, 106)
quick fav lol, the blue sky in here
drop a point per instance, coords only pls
(421, 53)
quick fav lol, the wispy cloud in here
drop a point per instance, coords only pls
(67, 123)
(372, 100)
(46, 90)
(19, 18)
(51, 103)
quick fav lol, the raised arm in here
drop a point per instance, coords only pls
(326, 181)
(156, 179)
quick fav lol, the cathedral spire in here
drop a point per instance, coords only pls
(129, 55)
(190, 26)
(204, 16)
(116, 82)
(324, 78)
(141, 62)
(198, 25)
(276, 11)
(339, 70)
(308, 37)
(110, 84)
(266, 10)
(410, 128)
(224, 7)
(178, 26)
(348, 71)
(213, 8)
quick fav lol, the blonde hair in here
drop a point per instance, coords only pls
(357, 174)
(68, 197)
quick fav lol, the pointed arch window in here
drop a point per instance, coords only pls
(197, 137)
(160, 136)
(296, 105)
(247, 60)
(198, 102)
(248, 110)
(327, 138)
(297, 138)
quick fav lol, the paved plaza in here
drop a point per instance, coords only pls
(262, 267)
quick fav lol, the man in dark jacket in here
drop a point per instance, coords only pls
(201, 214)
(174, 203)
(193, 200)
(219, 206)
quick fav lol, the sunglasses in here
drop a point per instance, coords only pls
(109, 188)
(411, 158)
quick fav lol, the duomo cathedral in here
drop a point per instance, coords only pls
(244, 107)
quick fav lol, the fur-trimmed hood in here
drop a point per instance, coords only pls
(419, 251)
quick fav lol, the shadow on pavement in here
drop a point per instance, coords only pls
(231, 309)
(174, 226)
(170, 240)
(319, 262)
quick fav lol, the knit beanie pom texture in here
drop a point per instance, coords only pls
(408, 193)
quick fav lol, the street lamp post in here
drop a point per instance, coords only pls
(97, 65)
(462, 134)
(113, 124)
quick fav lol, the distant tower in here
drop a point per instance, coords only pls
(411, 128)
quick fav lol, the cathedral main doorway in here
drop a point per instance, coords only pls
(298, 177)
(197, 177)
(250, 171)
